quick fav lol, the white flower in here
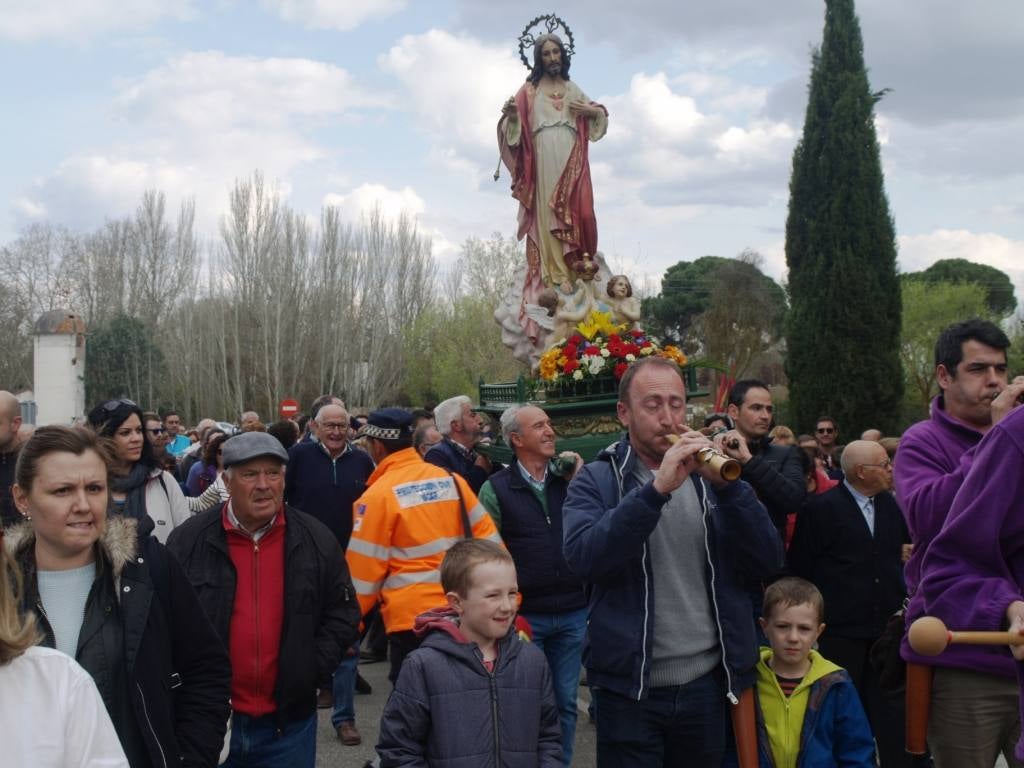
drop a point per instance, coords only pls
(605, 352)
(647, 351)
(596, 365)
(577, 374)
(630, 358)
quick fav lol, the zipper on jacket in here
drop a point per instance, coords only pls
(714, 600)
(647, 584)
(494, 715)
(145, 711)
(256, 600)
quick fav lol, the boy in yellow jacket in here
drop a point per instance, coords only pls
(809, 712)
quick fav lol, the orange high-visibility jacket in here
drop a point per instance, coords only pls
(402, 525)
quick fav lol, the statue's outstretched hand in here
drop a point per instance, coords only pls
(508, 109)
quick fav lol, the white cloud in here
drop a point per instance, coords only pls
(392, 203)
(917, 252)
(334, 14)
(82, 20)
(456, 85)
(210, 88)
(207, 118)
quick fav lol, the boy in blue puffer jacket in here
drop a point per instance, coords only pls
(809, 713)
(473, 695)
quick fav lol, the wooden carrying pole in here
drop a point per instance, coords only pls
(744, 728)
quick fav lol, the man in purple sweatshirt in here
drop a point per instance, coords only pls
(974, 695)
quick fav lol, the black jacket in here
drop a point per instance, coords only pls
(777, 477)
(162, 671)
(534, 540)
(447, 710)
(859, 575)
(9, 515)
(321, 616)
(450, 456)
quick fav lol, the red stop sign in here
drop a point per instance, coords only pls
(288, 408)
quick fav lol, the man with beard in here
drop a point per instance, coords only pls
(543, 135)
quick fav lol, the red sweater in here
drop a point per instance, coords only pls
(255, 632)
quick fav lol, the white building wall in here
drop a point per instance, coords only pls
(59, 378)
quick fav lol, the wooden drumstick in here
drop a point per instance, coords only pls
(929, 637)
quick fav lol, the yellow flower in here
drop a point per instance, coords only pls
(598, 323)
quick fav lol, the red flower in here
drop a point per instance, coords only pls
(591, 351)
(620, 369)
(632, 349)
(614, 338)
(570, 351)
(645, 345)
(636, 333)
(570, 365)
(576, 340)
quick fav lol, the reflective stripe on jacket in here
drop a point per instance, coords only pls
(402, 526)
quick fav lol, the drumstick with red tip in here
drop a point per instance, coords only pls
(929, 637)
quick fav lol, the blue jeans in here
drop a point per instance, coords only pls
(344, 689)
(675, 725)
(560, 636)
(255, 743)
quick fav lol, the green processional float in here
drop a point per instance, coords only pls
(565, 315)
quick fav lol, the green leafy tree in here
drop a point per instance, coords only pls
(996, 283)
(928, 308)
(689, 289)
(121, 360)
(843, 327)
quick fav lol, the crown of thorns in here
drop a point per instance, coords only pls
(550, 23)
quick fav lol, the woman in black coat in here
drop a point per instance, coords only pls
(107, 593)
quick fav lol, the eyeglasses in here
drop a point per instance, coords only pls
(157, 431)
(826, 430)
(112, 405)
(887, 464)
(332, 426)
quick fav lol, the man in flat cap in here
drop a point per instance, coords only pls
(275, 585)
(409, 516)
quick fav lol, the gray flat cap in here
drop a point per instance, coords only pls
(252, 445)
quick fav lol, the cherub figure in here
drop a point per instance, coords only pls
(565, 307)
(625, 307)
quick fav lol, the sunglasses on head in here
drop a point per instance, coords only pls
(112, 405)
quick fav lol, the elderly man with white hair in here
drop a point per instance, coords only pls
(324, 479)
(461, 429)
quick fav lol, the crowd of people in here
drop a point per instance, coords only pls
(173, 596)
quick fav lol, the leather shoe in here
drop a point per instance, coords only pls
(324, 699)
(349, 734)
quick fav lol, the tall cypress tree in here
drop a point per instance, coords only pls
(843, 326)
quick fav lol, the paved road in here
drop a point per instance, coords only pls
(331, 753)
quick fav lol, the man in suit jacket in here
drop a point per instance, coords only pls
(849, 542)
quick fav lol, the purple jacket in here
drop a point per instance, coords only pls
(974, 567)
(931, 463)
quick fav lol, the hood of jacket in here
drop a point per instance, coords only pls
(439, 629)
(118, 543)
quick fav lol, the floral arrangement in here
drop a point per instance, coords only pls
(599, 349)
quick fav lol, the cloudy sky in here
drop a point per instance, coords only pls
(394, 102)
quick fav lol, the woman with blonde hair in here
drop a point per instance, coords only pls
(50, 711)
